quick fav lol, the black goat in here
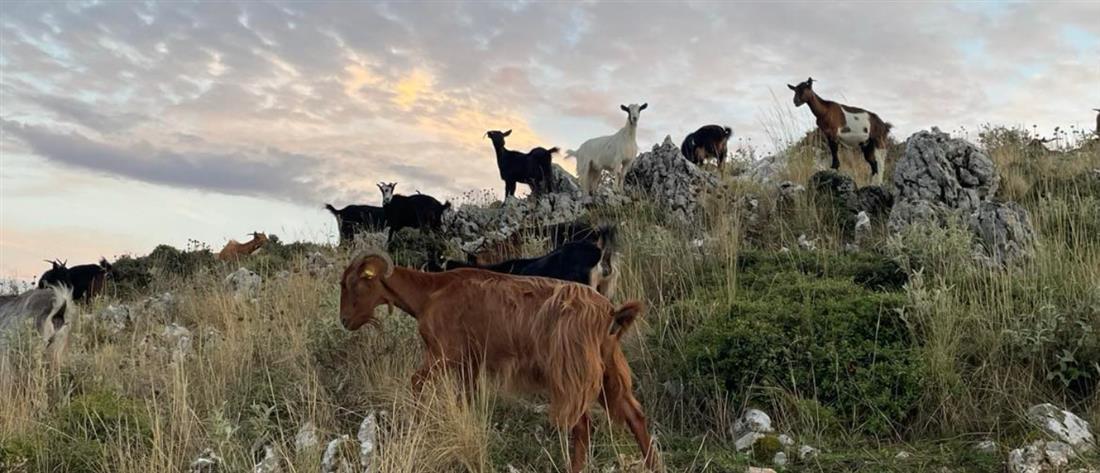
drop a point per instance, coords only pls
(583, 262)
(358, 218)
(414, 211)
(86, 280)
(531, 168)
(706, 142)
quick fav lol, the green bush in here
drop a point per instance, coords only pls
(803, 323)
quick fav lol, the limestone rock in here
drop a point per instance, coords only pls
(244, 283)
(1004, 231)
(1040, 457)
(949, 171)
(1062, 425)
(752, 426)
(116, 317)
(270, 462)
(674, 183)
(986, 446)
(206, 462)
(368, 438)
(331, 462)
(780, 459)
(807, 453)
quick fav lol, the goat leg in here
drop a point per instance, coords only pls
(580, 437)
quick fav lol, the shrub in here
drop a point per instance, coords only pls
(805, 325)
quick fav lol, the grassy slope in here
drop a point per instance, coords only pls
(976, 347)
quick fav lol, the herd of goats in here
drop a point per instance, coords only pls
(545, 324)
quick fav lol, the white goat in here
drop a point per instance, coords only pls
(609, 153)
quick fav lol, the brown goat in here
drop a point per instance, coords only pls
(234, 249)
(536, 334)
(851, 126)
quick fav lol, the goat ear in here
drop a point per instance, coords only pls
(507, 133)
(623, 107)
(789, 86)
(644, 105)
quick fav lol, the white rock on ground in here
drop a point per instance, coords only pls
(1063, 425)
(368, 438)
(903, 455)
(178, 339)
(1039, 457)
(115, 317)
(806, 243)
(807, 453)
(244, 283)
(785, 440)
(206, 462)
(306, 438)
(986, 446)
(753, 469)
(270, 462)
(780, 459)
(331, 462)
(750, 427)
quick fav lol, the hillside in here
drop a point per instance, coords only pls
(891, 345)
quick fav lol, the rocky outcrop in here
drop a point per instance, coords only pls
(244, 284)
(672, 182)
(1062, 425)
(942, 180)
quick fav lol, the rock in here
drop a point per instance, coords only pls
(753, 420)
(945, 170)
(863, 225)
(838, 193)
(1004, 230)
(306, 438)
(317, 264)
(1039, 457)
(206, 462)
(563, 182)
(903, 455)
(807, 453)
(368, 437)
(767, 169)
(672, 182)
(115, 317)
(244, 283)
(331, 462)
(806, 243)
(986, 446)
(161, 304)
(747, 440)
(1062, 425)
(270, 462)
(753, 469)
(875, 200)
(780, 459)
(178, 339)
(785, 440)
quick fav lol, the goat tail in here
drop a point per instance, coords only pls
(553, 150)
(624, 317)
(729, 131)
(332, 209)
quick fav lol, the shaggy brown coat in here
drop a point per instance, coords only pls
(234, 249)
(536, 334)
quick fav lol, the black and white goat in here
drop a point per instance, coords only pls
(583, 262)
(414, 211)
(709, 141)
(531, 168)
(86, 280)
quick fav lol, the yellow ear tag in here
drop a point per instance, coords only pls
(368, 273)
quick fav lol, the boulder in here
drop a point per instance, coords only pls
(244, 284)
(368, 439)
(1004, 232)
(945, 170)
(331, 461)
(206, 462)
(672, 182)
(1062, 425)
(753, 425)
(1040, 457)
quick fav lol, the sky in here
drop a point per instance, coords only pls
(130, 124)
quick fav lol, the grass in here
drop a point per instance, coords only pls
(979, 345)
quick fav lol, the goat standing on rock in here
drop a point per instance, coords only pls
(851, 126)
(709, 141)
(609, 153)
(531, 168)
(538, 334)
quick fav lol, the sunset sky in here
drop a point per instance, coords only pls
(128, 124)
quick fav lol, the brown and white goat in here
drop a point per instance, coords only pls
(537, 334)
(850, 126)
(234, 249)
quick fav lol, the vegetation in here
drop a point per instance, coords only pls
(903, 344)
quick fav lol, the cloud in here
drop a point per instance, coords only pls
(274, 174)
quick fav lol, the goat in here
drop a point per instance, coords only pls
(358, 218)
(531, 168)
(850, 126)
(86, 280)
(50, 310)
(537, 334)
(387, 191)
(414, 211)
(707, 141)
(582, 262)
(511, 247)
(609, 153)
(234, 249)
